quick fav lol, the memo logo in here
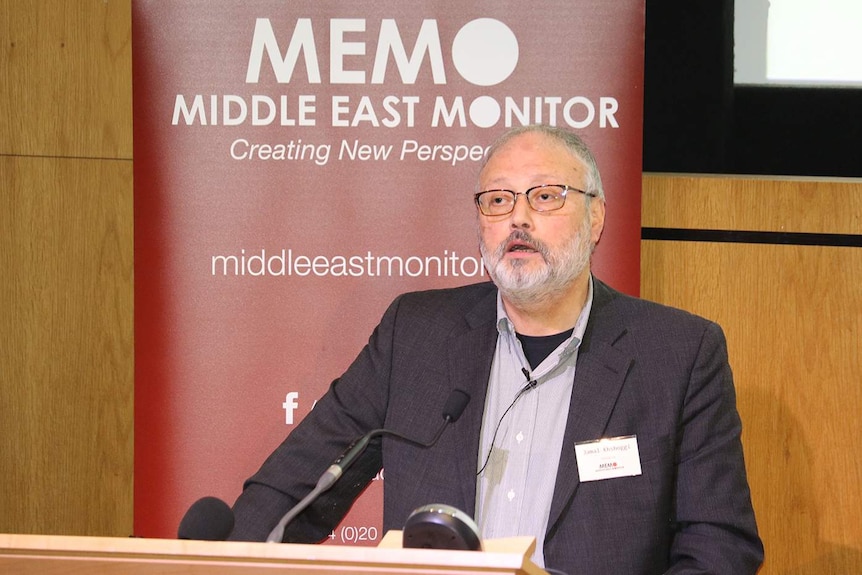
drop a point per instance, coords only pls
(484, 52)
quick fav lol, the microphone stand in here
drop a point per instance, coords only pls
(452, 411)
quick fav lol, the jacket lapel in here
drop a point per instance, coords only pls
(470, 355)
(600, 374)
(601, 370)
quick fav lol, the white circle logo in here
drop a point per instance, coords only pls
(485, 52)
(485, 112)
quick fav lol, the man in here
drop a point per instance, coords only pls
(555, 361)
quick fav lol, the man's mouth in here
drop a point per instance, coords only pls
(520, 243)
(519, 247)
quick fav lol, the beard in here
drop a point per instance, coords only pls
(523, 286)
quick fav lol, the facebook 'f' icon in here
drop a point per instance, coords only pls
(290, 404)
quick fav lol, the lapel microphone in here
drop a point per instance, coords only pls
(452, 410)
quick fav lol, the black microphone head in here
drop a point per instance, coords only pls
(455, 405)
(440, 526)
(209, 519)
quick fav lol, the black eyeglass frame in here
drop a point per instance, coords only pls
(566, 188)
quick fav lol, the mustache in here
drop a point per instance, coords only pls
(524, 237)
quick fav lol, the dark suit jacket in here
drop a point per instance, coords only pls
(643, 369)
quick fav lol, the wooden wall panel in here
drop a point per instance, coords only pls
(753, 204)
(66, 347)
(793, 319)
(66, 78)
(66, 350)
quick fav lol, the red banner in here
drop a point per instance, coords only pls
(298, 165)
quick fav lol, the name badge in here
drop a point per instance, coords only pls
(608, 458)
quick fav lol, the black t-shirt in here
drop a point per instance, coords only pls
(537, 348)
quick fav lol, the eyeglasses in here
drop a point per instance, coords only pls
(544, 198)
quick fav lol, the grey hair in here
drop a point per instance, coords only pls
(572, 142)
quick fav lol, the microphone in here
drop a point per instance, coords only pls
(440, 526)
(209, 519)
(452, 410)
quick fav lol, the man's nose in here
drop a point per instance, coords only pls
(522, 213)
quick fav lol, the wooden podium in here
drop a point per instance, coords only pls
(52, 554)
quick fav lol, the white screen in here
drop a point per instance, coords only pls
(798, 42)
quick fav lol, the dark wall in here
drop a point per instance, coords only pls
(688, 85)
(696, 120)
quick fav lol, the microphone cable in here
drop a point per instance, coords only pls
(531, 383)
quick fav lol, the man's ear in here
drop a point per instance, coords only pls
(597, 220)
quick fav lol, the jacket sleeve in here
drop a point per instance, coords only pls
(715, 527)
(354, 404)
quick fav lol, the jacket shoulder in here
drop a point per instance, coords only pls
(645, 319)
(459, 301)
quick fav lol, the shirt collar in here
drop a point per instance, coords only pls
(505, 325)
